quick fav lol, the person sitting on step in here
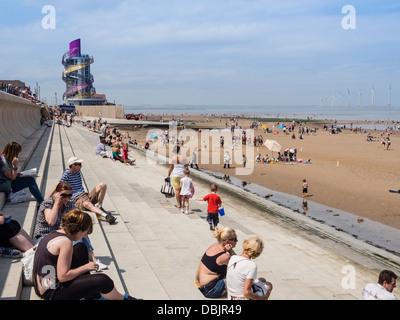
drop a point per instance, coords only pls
(84, 200)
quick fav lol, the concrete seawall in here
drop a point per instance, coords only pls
(20, 122)
(19, 119)
(107, 111)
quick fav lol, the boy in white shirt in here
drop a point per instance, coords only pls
(101, 148)
(187, 190)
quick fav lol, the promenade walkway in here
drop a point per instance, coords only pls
(154, 250)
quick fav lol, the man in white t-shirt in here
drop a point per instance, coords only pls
(383, 290)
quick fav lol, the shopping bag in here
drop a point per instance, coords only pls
(27, 266)
(167, 189)
(17, 197)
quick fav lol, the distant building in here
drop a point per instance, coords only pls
(14, 83)
(78, 79)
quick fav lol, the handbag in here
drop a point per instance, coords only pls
(27, 266)
(259, 287)
(167, 189)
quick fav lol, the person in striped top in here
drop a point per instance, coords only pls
(92, 201)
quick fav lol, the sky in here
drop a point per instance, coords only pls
(210, 52)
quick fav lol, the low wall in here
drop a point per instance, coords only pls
(107, 111)
(19, 119)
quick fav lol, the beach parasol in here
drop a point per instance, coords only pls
(272, 145)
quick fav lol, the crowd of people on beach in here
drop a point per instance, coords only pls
(63, 227)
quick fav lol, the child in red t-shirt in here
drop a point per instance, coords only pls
(214, 203)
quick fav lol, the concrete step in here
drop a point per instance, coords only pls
(25, 213)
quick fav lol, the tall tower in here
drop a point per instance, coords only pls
(77, 77)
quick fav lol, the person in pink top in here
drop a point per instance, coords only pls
(125, 157)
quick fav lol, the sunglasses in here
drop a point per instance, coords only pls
(66, 195)
(78, 164)
(235, 239)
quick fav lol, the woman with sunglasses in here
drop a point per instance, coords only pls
(50, 215)
(211, 273)
(52, 209)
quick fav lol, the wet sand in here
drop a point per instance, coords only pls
(346, 172)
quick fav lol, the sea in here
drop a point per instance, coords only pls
(354, 113)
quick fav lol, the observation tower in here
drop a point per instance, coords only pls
(77, 77)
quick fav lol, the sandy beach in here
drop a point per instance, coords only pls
(346, 172)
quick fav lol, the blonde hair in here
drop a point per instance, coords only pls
(223, 234)
(253, 247)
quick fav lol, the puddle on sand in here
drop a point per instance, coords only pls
(372, 232)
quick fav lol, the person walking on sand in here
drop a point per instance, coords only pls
(214, 203)
(387, 143)
(244, 161)
(305, 188)
(227, 159)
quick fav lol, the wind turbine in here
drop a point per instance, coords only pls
(333, 100)
(348, 104)
(359, 98)
(390, 91)
(372, 97)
